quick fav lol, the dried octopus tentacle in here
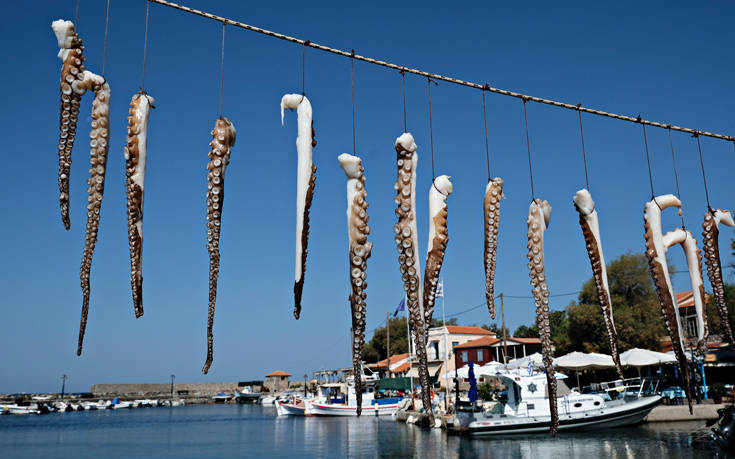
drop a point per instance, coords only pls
(71, 53)
(223, 138)
(407, 242)
(305, 179)
(656, 246)
(99, 144)
(491, 213)
(710, 242)
(438, 239)
(359, 252)
(591, 230)
(539, 214)
(135, 159)
(694, 264)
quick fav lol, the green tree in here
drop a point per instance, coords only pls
(375, 350)
(485, 391)
(713, 317)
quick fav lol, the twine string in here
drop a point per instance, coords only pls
(648, 161)
(528, 148)
(704, 177)
(145, 44)
(104, 47)
(354, 136)
(584, 151)
(222, 71)
(676, 176)
(403, 77)
(484, 117)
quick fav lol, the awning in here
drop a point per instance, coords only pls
(433, 370)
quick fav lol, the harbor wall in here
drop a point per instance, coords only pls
(151, 390)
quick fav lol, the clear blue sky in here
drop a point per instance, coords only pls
(669, 62)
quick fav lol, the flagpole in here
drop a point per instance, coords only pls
(446, 360)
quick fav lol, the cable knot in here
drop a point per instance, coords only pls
(486, 87)
(639, 119)
(579, 105)
(352, 54)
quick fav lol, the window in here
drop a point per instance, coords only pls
(464, 356)
(454, 344)
(480, 356)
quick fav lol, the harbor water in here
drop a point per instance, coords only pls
(256, 431)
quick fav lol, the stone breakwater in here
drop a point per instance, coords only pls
(163, 390)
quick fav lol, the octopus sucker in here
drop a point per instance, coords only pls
(710, 233)
(305, 179)
(359, 251)
(539, 214)
(135, 159)
(589, 221)
(491, 216)
(71, 53)
(223, 138)
(438, 239)
(657, 245)
(406, 237)
(99, 145)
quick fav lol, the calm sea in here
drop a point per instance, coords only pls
(256, 431)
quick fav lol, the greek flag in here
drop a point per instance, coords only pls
(401, 307)
(439, 290)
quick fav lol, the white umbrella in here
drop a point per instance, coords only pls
(489, 369)
(536, 360)
(582, 361)
(463, 372)
(643, 357)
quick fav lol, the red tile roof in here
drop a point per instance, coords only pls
(459, 329)
(485, 341)
(401, 368)
(277, 373)
(393, 359)
(686, 299)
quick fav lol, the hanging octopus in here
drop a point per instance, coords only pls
(99, 144)
(135, 159)
(539, 214)
(359, 252)
(408, 257)
(491, 213)
(305, 179)
(710, 232)
(223, 138)
(438, 239)
(657, 245)
(591, 230)
(71, 53)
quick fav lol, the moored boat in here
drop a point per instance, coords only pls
(527, 409)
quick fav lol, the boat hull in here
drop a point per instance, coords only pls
(288, 409)
(324, 409)
(629, 414)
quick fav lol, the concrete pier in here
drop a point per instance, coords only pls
(676, 413)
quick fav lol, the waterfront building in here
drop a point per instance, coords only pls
(277, 381)
(394, 367)
(492, 349)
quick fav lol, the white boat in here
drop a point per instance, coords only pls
(222, 397)
(527, 409)
(339, 399)
(91, 406)
(19, 409)
(294, 407)
(268, 400)
(117, 404)
(247, 395)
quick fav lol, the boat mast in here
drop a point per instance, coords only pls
(446, 360)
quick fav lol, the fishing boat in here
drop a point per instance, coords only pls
(527, 409)
(247, 395)
(293, 407)
(268, 400)
(339, 399)
(222, 397)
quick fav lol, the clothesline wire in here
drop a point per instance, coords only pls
(145, 44)
(676, 177)
(438, 77)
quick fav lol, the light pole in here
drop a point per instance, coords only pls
(172, 389)
(63, 385)
(305, 376)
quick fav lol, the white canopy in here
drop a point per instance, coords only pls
(536, 360)
(582, 361)
(489, 369)
(643, 357)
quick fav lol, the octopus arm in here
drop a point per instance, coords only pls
(438, 239)
(305, 180)
(359, 251)
(588, 219)
(99, 145)
(135, 160)
(694, 265)
(71, 53)
(491, 214)
(223, 138)
(408, 258)
(710, 233)
(539, 214)
(656, 246)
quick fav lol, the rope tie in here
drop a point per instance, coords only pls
(676, 177)
(528, 148)
(354, 137)
(76, 16)
(145, 44)
(104, 47)
(303, 69)
(222, 71)
(484, 117)
(431, 136)
(704, 177)
(403, 77)
(584, 152)
(648, 159)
